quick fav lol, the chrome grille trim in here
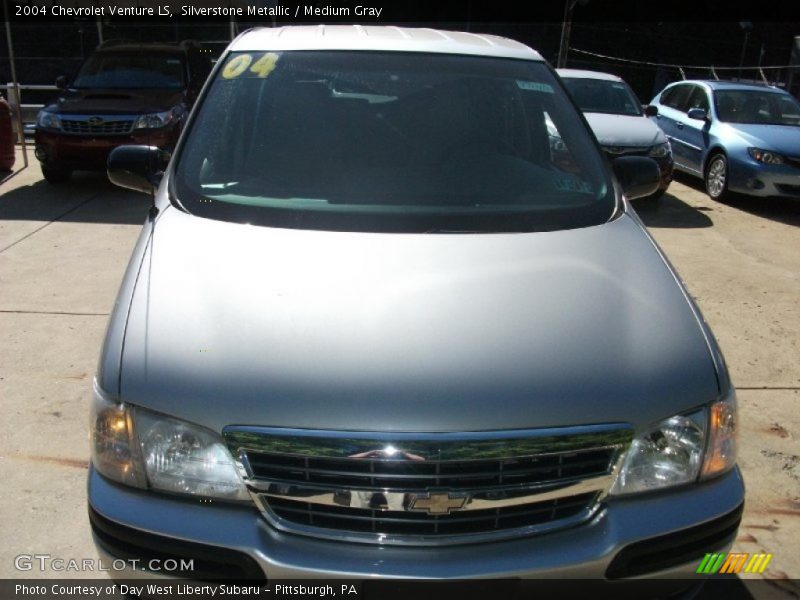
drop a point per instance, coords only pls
(427, 488)
(592, 509)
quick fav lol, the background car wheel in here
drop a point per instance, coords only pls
(717, 178)
(56, 176)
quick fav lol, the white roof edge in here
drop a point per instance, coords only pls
(585, 74)
(380, 38)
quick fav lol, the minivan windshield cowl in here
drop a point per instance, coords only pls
(390, 142)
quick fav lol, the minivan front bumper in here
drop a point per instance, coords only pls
(662, 535)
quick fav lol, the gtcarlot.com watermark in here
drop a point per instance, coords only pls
(46, 562)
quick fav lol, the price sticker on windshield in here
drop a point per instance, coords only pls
(243, 63)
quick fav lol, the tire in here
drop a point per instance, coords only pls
(56, 176)
(716, 178)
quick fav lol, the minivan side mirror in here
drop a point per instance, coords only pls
(697, 113)
(639, 176)
(137, 168)
(61, 82)
(650, 111)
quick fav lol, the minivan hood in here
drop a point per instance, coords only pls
(115, 101)
(784, 139)
(238, 324)
(624, 130)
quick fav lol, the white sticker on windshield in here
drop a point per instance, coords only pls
(534, 86)
(572, 185)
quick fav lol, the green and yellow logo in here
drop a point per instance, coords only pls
(734, 563)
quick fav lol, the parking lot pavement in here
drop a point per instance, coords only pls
(62, 254)
(63, 251)
(740, 263)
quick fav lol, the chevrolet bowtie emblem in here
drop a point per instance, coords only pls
(436, 503)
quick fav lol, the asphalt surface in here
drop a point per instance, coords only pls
(63, 251)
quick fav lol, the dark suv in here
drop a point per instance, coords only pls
(125, 93)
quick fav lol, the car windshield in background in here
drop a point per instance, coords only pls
(390, 141)
(603, 96)
(756, 107)
(117, 70)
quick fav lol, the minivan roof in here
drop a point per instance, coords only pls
(380, 38)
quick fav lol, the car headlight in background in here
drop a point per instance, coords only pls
(660, 150)
(681, 450)
(159, 119)
(47, 120)
(144, 449)
(766, 156)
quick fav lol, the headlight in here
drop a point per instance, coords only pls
(48, 120)
(722, 433)
(672, 452)
(144, 449)
(159, 119)
(660, 150)
(186, 459)
(668, 454)
(113, 448)
(766, 156)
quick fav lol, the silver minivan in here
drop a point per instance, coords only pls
(374, 328)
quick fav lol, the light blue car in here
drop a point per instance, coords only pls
(740, 138)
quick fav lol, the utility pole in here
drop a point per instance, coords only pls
(566, 31)
(747, 27)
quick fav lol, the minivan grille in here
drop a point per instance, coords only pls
(427, 488)
(85, 127)
(409, 523)
(411, 475)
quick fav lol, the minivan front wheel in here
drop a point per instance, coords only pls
(717, 178)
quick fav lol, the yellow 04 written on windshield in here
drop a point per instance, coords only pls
(243, 63)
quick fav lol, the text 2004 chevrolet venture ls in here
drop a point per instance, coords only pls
(371, 329)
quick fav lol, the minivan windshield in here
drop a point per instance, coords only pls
(390, 141)
(121, 70)
(603, 96)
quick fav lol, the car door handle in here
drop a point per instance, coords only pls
(678, 124)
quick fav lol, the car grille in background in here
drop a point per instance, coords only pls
(787, 188)
(615, 151)
(109, 127)
(432, 491)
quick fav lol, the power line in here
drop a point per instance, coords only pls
(673, 66)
